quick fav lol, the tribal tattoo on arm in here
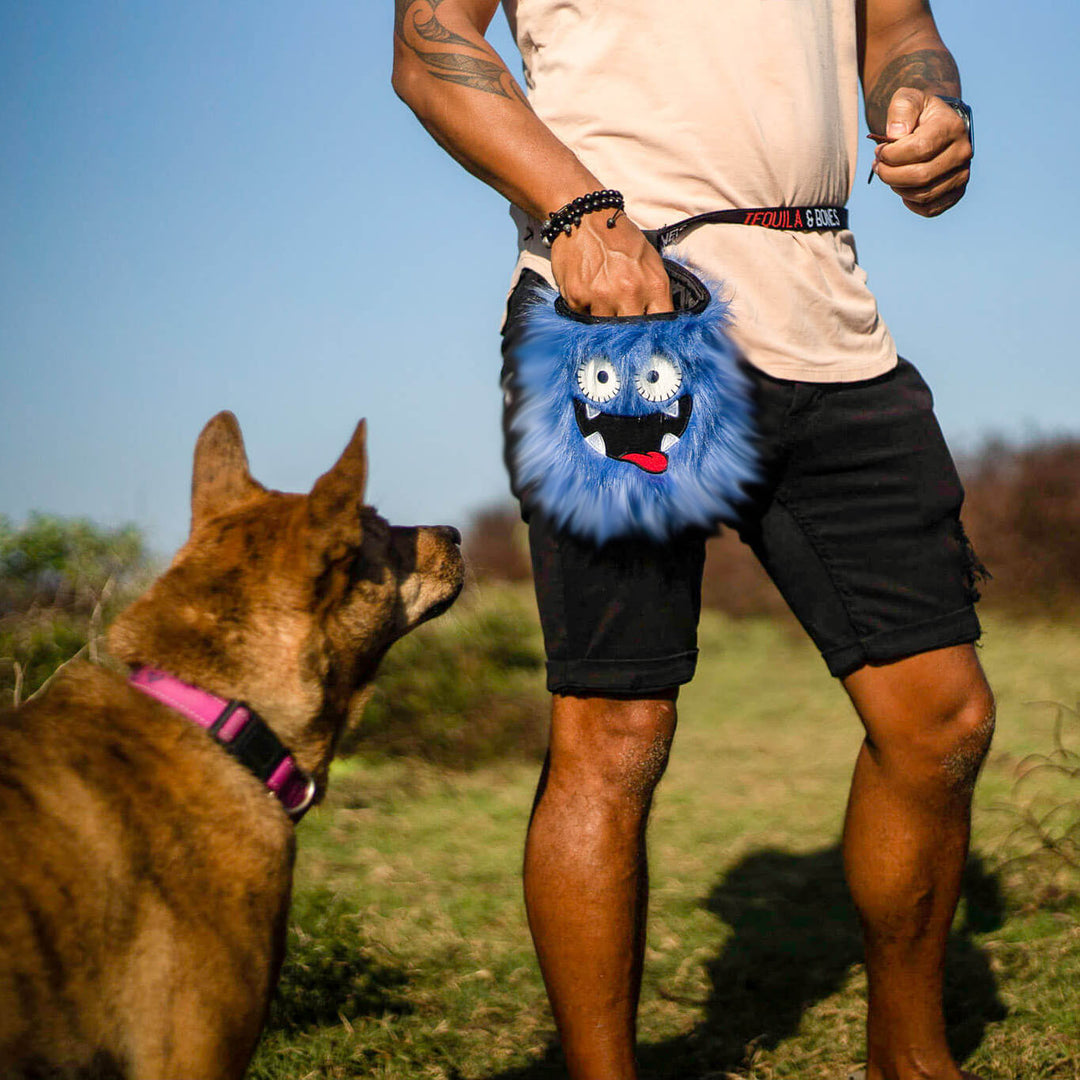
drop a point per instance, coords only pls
(933, 70)
(417, 26)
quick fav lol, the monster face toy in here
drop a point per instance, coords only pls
(631, 426)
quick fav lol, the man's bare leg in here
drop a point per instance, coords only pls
(586, 877)
(928, 720)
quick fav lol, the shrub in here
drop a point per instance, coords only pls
(463, 690)
(61, 579)
(1023, 515)
(496, 545)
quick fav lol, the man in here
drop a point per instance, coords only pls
(685, 108)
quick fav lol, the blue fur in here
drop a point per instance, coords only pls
(599, 498)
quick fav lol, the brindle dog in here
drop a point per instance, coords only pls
(144, 872)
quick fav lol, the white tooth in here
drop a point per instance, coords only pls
(591, 411)
(673, 408)
(667, 442)
(596, 441)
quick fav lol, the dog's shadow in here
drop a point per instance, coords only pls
(794, 940)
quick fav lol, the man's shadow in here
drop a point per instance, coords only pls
(794, 940)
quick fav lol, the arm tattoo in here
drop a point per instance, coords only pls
(433, 30)
(928, 69)
(400, 9)
(455, 67)
(466, 70)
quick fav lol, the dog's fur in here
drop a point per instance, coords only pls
(144, 873)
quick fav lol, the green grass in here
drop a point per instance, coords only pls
(409, 951)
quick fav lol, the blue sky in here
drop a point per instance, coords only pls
(208, 205)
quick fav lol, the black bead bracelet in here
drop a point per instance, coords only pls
(564, 220)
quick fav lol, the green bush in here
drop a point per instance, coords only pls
(463, 690)
(61, 579)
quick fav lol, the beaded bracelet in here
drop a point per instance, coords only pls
(564, 220)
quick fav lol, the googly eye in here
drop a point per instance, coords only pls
(658, 379)
(597, 379)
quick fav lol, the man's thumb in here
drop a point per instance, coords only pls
(904, 111)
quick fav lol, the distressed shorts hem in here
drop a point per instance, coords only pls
(631, 677)
(957, 628)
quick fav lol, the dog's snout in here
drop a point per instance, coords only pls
(452, 533)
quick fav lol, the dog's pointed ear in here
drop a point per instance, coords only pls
(339, 493)
(220, 478)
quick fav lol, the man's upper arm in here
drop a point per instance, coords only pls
(442, 41)
(421, 13)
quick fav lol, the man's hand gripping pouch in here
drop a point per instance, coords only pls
(631, 426)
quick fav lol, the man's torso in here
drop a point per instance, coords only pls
(700, 105)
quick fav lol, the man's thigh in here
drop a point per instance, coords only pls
(859, 522)
(618, 619)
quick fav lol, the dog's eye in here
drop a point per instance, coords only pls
(597, 379)
(659, 379)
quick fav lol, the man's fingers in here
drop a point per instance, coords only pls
(939, 130)
(923, 175)
(905, 108)
(930, 190)
(618, 294)
(933, 199)
(929, 166)
(647, 296)
(620, 289)
(937, 206)
(659, 295)
(926, 174)
(925, 142)
(938, 147)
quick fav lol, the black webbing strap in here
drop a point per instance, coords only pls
(787, 218)
(254, 745)
(257, 747)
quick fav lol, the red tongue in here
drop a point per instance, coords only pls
(653, 461)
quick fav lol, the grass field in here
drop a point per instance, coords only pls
(409, 951)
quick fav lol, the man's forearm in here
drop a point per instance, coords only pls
(464, 95)
(904, 51)
(932, 69)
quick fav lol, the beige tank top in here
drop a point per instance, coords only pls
(696, 105)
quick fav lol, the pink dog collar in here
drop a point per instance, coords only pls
(239, 730)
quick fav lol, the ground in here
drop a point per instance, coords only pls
(409, 951)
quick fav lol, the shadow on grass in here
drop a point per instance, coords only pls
(329, 971)
(794, 940)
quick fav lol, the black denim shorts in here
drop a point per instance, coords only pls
(857, 521)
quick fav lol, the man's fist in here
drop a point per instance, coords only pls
(609, 271)
(926, 159)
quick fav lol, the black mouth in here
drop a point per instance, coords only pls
(640, 440)
(438, 608)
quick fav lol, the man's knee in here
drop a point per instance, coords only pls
(950, 741)
(612, 745)
(932, 716)
(969, 732)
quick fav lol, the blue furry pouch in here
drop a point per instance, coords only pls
(637, 426)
